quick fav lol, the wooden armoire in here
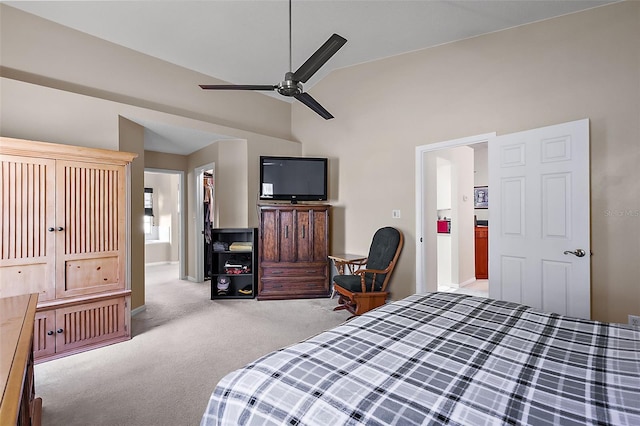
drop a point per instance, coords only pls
(63, 235)
(293, 242)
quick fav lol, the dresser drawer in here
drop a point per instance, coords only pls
(281, 288)
(312, 271)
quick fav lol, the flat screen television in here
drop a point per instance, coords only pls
(293, 179)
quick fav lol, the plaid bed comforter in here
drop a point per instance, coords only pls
(442, 358)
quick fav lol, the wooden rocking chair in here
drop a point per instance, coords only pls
(366, 289)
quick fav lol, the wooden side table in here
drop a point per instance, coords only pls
(351, 261)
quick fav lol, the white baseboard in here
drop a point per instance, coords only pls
(138, 310)
(467, 282)
(166, 262)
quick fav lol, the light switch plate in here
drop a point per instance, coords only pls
(395, 214)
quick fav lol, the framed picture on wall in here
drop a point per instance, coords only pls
(481, 197)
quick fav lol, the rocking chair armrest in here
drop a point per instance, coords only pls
(375, 272)
(358, 263)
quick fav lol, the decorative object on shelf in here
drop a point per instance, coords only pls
(223, 285)
(220, 246)
(246, 290)
(481, 197)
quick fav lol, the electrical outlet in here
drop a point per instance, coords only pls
(634, 320)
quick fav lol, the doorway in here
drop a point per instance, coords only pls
(427, 208)
(164, 221)
(205, 192)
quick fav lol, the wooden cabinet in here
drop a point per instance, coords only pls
(482, 252)
(18, 405)
(64, 217)
(235, 262)
(75, 328)
(293, 250)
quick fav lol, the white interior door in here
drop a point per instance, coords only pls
(539, 244)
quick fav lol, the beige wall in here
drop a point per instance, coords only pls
(585, 65)
(131, 139)
(59, 85)
(44, 53)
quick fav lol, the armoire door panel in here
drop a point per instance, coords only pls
(93, 275)
(320, 231)
(287, 234)
(304, 240)
(91, 235)
(44, 334)
(269, 240)
(26, 230)
(91, 323)
(25, 279)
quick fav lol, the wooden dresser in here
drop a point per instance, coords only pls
(293, 251)
(65, 215)
(19, 405)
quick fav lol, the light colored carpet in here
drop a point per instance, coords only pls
(182, 345)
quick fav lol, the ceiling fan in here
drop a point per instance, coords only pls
(291, 86)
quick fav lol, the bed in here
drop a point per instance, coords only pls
(442, 358)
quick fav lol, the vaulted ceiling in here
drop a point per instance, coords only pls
(247, 42)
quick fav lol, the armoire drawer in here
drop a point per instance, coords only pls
(315, 271)
(292, 288)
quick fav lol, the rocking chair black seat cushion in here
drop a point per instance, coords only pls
(383, 249)
(351, 282)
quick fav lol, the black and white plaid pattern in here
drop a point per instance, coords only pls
(442, 358)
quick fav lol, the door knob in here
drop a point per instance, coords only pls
(60, 228)
(578, 252)
(51, 229)
(59, 330)
(50, 333)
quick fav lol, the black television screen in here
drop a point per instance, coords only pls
(293, 178)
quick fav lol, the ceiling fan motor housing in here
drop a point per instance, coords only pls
(289, 87)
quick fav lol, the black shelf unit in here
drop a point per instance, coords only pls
(221, 259)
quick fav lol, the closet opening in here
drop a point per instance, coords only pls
(205, 218)
(209, 219)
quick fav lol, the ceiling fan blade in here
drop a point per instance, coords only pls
(237, 87)
(308, 100)
(319, 58)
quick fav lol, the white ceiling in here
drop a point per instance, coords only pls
(247, 41)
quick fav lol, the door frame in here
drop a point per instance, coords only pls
(182, 270)
(198, 226)
(422, 284)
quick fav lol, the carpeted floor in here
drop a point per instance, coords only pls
(182, 344)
